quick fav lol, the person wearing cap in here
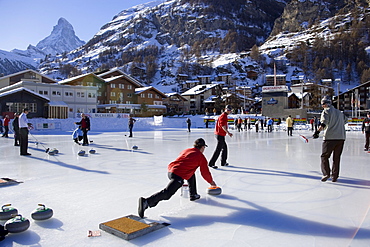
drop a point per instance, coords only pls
(332, 122)
(366, 129)
(183, 168)
(221, 130)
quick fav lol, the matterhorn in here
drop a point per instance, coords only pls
(62, 39)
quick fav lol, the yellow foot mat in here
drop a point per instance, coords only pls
(130, 227)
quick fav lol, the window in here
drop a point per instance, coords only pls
(68, 94)
(112, 85)
(113, 94)
(142, 95)
(81, 94)
(122, 86)
(157, 96)
(150, 95)
(129, 86)
(43, 92)
(18, 106)
(56, 93)
(91, 95)
(129, 95)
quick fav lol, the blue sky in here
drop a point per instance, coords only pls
(24, 22)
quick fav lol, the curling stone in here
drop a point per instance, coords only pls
(6, 212)
(42, 213)
(92, 151)
(17, 224)
(53, 152)
(135, 147)
(214, 190)
(81, 153)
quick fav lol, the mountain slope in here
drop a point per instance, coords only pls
(155, 37)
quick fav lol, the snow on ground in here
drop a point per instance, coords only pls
(272, 193)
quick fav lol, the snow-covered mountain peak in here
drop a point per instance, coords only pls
(62, 39)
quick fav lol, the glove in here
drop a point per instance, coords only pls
(316, 134)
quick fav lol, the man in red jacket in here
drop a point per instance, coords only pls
(182, 168)
(221, 129)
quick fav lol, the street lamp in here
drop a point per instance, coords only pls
(244, 99)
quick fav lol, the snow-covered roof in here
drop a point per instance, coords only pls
(199, 89)
(78, 77)
(58, 103)
(112, 78)
(175, 94)
(123, 74)
(25, 71)
(16, 90)
(299, 95)
(143, 89)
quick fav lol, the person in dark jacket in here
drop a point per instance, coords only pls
(15, 125)
(85, 127)
(131, 122)
(183, 167)
(366, 130)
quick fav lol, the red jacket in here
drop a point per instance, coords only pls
(6, 121)
(222, 121)
(187, 163)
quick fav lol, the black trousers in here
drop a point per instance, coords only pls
(130, 127)
(220, 148)
(23, 140)
(329, 147)
(85, 140)
(174, 185)
(6, 131)
(16, 137)
(367, 138)
(290, 131)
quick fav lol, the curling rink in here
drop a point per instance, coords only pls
(272, 193)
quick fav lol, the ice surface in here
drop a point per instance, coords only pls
(272, 193)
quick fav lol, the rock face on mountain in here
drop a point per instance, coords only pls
(299, 15)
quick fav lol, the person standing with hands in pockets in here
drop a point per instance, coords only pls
(24, 125)
(221, 130)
